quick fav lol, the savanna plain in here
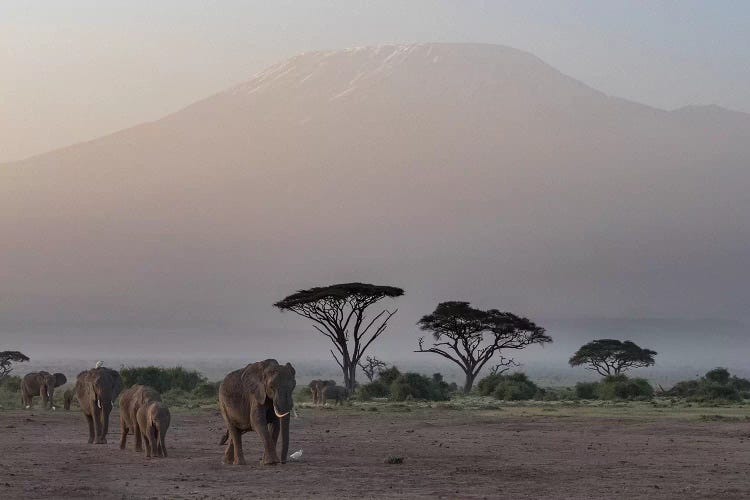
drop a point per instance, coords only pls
(469, 447)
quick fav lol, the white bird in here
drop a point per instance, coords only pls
(99, 364)
(296, 455)
(294, 413)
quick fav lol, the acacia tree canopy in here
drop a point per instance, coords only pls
(338, 312)
(7, 358)
(471, 337)
(612, 357)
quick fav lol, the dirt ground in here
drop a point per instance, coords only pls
(447, 453)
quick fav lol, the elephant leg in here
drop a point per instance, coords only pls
(105, 425)
(269, 455)
(98, 430)
(153, 441)
(162, 444)
(236, 440)
(124, 429)
(147, 444)
(138, 438)
(229, 453)
(92, 432)
(273, 430)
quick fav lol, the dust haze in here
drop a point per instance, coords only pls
(455, 171)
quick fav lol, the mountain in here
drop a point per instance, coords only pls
(473, 172)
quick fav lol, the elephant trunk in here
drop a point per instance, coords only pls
(285, 437)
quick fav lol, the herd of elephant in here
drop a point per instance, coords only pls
(255, 398)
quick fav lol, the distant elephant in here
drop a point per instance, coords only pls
(131, 400)
(316, 389)
(258, 398)
(96, 390)
(68, 397)
(40, 384)
(337, 393)
(153, 420)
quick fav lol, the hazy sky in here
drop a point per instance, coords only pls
(77, 69)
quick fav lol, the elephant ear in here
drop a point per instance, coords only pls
(253, 380)
(60, 379)
(291, 369)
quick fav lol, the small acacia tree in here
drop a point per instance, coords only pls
(612, 357)
(371, 366)
(7, 358)
(338, 312)
(472, 337)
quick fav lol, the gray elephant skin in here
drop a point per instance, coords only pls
(258, 398)
(40, 384)
(335, 393)
(96, 391)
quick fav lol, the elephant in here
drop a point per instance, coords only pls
(131, 400)
(40, 384)
(153, 420)
(96, 390)
(68, 397)
(258, 398)
(317, 387)
(337, 393)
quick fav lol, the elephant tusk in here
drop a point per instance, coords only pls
(98, 403)
(280, 415)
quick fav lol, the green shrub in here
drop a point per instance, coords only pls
(375, 389)
(10, 383)
(162, 379)
(389, 375)
(718, 376)
(416, 386)
(587, 390)
(207, 390)
(714, 391)
(515, 387)
(302, 394)
(621, 387)
(486, 386)
(716, 385)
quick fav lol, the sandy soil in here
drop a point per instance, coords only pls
(447, 453)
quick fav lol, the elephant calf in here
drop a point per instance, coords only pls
(131, 400)
(40, 384)
(337, 393)
(153, 422)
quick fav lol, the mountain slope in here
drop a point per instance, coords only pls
(454, 171)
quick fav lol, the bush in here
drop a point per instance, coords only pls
(718, 376)
(587, 390)
(162, 379)
(302, 394)
(716, 385)
(10, 383)
(207, 390)
(389, 375)
(487, 385)
(416, 386)
(515, 387)
(375, 389)
(621, 387)
(714, 391)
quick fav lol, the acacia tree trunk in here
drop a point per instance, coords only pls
(469, 383)
(350, 374)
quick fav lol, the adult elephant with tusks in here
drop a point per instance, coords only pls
(40, 384)
(258, 398)
(96, 390)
